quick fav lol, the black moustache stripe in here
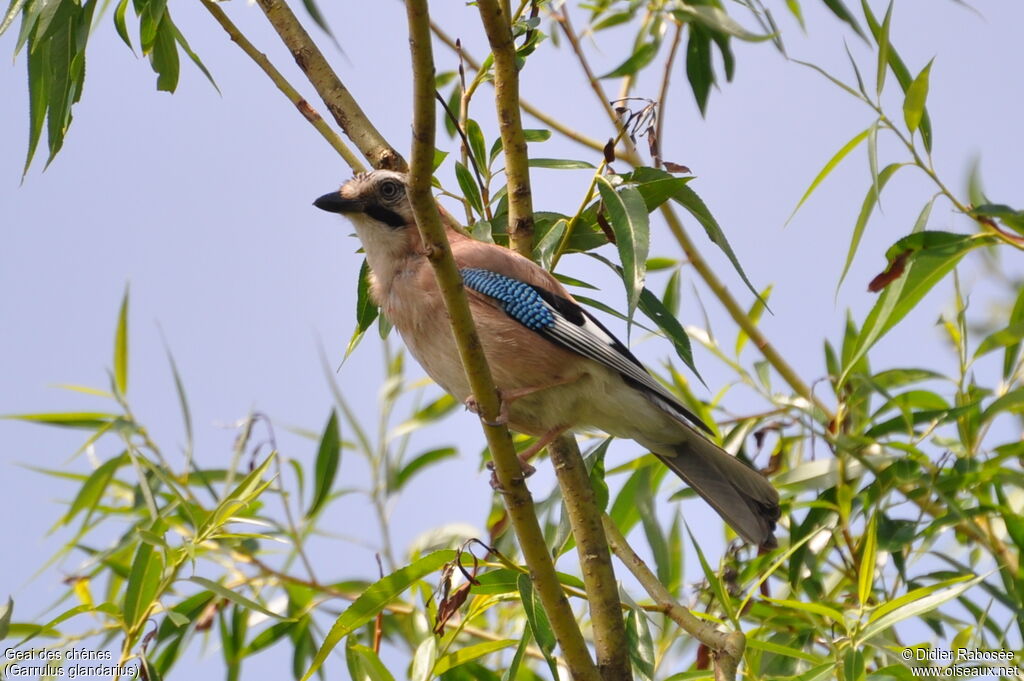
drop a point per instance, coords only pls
(388, 217)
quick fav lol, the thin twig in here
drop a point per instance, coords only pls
(727, 647)
(663, 94)
(332, 91)
(495, 19)
(507, 467)
(308, 112)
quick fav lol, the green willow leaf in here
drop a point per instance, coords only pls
(92, 489)
(468, 654)
(643, 56)
(901, 72)
(5, 618)
(688, 199)
(121, 347)
(143, 583)
(366, 309)
(917, 94)
(882, 38)
(867, 207)
(476, 141)
(654, 308)
(328, 456)
(627, 213)
(699, 67)
(915, 603)
(373, 600)
(235, 597)
(560, 164)
(868, 557)
(164, 55)
(538, 621)
(840, 10)
(469, 188)
(716, 21)
(828, 168)
(926, 257)
(86, 420)
(121, 23)
(419, 463)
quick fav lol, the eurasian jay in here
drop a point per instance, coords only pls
(556, 366)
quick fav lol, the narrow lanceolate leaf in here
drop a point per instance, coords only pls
(476, 142)
(235, 597)
(688, 199)
(841, 11)
(628, 215)
(373, 600)
(86, 420)
(543, 634)
(639, 59)
(699, 67)
(366, 309)
(468, 654)
(13, 10)
(866, 208)
(902, 73)
(5, 617)
(666, 321)
(922, 260)
(92, 489)
(143, 583)
(469, 188)
(716, 20)
(828, 168)
(868, 557)
(121, 23)
(164, 55)
(121, 347)
(327, 458)
(913, 103)
(882, 38)
(915, 603)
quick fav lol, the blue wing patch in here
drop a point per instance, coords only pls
(564, 323)
(520, 301)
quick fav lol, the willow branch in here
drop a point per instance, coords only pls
(332, 91)
(726, 647)
(663, 95)
(510, 124)
(308, 112)
(507, 468)
(610, 642)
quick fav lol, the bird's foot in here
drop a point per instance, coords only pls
(524, 465)
(502, 420)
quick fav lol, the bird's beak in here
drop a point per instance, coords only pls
(334, 202)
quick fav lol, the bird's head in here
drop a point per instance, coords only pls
(378, 205)
(376, 200)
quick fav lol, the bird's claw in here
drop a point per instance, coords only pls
(526, 468)
(474, 406)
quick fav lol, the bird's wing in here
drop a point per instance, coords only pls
(565, 323)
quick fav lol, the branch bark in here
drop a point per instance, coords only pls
(727, 647)
(506, 463)
(332, 91)
(510, 124)
(610, 642)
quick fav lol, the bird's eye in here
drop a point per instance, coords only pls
(390, 190)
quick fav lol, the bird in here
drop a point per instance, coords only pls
(556, 367)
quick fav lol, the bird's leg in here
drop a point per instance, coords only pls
(507, 397)
(525, 456)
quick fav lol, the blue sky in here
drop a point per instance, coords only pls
(202, 203)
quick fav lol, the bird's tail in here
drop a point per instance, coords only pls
(740, 494)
